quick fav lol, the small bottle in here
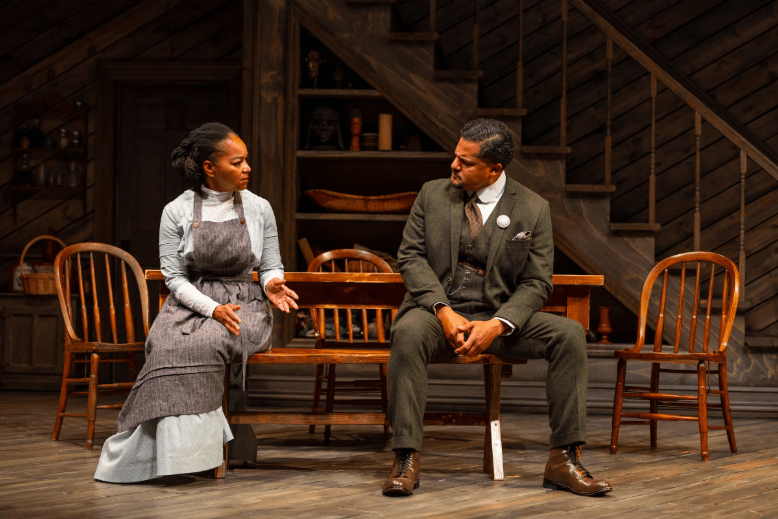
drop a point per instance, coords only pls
(39, 178)
(73, 175)
(75, 140)
(25, 175)
(63, 138)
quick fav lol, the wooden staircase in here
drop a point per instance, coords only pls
(439, 102)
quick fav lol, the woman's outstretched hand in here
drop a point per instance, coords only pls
(226, 315)
(280, 295)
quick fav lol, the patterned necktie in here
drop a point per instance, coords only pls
(473, 215)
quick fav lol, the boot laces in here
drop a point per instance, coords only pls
(574, 454)
(404, 464)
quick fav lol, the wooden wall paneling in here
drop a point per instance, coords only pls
(15, 12)
(225, 46)
(45, 70)
(67, 22)
(221, 14)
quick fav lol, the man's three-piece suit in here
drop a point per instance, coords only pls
(504, 272)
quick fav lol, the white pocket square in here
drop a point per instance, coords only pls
(522, 236)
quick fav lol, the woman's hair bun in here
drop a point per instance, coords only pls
(201, 145)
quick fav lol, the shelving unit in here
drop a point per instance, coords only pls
(53, 115)
(366, 173)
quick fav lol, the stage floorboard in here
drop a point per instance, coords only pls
(298, 475)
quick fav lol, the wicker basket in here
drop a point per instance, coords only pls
(38, 283)
(344, 203)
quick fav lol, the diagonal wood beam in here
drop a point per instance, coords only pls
(659, 66)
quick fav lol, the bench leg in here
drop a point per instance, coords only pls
(492, 435)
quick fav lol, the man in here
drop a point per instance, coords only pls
(477, 257)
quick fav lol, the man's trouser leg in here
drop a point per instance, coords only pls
(417, 337)
(562, 342)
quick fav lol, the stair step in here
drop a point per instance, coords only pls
(457, 74)
(637, 226)
(590, 188)
(761, 341)
(502, 112)
(370, 1)
(557, 150)
(413, 36)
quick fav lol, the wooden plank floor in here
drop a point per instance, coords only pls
(297, 475)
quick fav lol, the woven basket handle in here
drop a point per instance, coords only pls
(39, 238)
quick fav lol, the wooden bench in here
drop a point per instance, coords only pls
(386, 291)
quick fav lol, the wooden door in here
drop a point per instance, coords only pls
(152, 122)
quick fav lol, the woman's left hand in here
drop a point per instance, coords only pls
(281, 296)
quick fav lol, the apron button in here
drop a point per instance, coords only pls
(243, 222)
(197, 224)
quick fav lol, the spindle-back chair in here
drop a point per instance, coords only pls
(87, 348)
(348, 260)
(692, 352)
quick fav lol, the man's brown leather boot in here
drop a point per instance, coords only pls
(564, 471)
(404, 477)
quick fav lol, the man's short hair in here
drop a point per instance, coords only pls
(494, 138)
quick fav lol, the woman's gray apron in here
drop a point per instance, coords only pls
(186, 352)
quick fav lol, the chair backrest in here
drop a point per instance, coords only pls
(705, 266)
(68, 265)
(349, 260)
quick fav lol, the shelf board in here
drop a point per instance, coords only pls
(357, 217)
(362, 155)
(340, 93)
(414, 36)
(49, 151)
(502, 112)
(458, 74)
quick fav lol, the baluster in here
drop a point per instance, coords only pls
(697, 138)
(110, 300)
(608, 109)
(742, 258)
(129, 326)
(433, 15)
(520, 63)
(660, 322)
(476, 37)
(652, 175)
(563, 101)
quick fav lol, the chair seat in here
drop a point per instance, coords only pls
(672, 358)
(105, 346)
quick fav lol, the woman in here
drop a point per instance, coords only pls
(210, 239)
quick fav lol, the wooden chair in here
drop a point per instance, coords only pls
(348, 260)
(82, 350)
(716, 353)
